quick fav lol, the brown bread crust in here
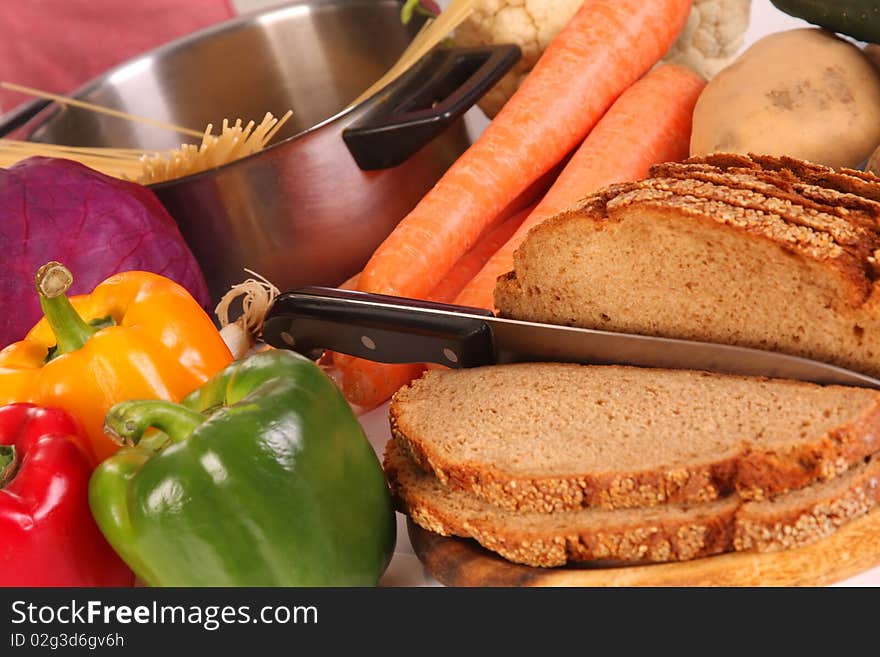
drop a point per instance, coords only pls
(726, 525)
(797, 215)
(753, 471)
(761, 474)
(627, 541)
(760, 527)
(549, 494)
(838, 242)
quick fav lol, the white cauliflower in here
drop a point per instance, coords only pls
(713, 35)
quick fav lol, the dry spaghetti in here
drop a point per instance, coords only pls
(147, 167)
(234, 142)
(116, 162)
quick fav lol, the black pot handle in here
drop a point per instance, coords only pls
(424, 101)
(18, 116)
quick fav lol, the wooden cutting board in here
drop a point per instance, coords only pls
(851, 550)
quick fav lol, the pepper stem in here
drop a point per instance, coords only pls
(7, 464)
(71, 331)
(127, 421)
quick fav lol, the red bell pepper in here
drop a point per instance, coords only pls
(47, 534)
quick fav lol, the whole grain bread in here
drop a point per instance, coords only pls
(765, 252)
(654, 534)
(547, 437)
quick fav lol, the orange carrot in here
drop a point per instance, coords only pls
(367, 384)
(351, 283)
(648, 124)
(475, 259)
(608, 45)
(525, 201)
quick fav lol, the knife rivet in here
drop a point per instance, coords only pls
(289, 340)
(368, 343)
(451, 356)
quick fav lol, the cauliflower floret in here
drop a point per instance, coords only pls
(713, 35)
(531, 24)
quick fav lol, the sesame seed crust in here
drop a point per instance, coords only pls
(752, 470)
(825, 215)
(763, 527)
(652, 535)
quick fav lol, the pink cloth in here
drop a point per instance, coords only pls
(57, 45)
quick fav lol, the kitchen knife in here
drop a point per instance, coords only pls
(398, 330)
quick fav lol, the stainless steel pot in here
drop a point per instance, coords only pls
(313, 207)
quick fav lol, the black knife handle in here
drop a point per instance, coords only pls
(379, 327)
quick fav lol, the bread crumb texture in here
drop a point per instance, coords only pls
(764, 252)
(552, 436)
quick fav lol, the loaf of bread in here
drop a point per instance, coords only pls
(765, 252)
(548, 464)
(557, 436)
(670, 532)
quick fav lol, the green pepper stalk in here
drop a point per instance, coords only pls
(127, 421)
(265, 479)
(7, 464)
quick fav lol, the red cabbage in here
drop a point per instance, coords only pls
(53, 209)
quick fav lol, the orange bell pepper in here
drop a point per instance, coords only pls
(136, 336)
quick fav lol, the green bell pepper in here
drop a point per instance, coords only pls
(261, 477)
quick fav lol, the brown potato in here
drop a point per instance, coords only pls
(804, 93)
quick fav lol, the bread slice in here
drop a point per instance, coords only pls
(771, 253)
(554, 436)
(654, 534)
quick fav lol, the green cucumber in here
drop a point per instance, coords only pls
(856, 18)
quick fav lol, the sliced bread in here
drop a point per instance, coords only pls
(765, 252)
(654, 534)
(547, 437)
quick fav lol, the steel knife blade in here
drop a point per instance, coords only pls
(399, 330)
